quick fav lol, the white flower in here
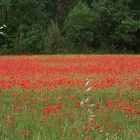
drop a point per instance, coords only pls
(1, 27)
(88, 89)
(92, 116)
(87, 82)
(87, 100)
(4, 25)
(1, 33)
(81, 103)
(91, 105)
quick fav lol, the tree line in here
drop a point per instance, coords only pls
(69, 26)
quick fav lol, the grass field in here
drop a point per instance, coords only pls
(58, 97)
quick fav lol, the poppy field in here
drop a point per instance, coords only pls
(63, 97)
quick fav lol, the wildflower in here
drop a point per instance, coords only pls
(32, 110)
(111, 125)
(48, 97)
(129, 109)
(132, 99)
(87, 100)
(117, 100)
(24, 99)
(24, 133)
(92, 121)
(110, 101)
(78, 105)
(81, 103)
(16, 101)
(92, 115)
(74, 97)
(87, 128)
(87, 83)
(49, 111)
(88, 89)
(105, 120)
(91, 105)
(53, 114)
(46, 111)
(60, 119)
(4, 25)
(137, 112)
(2, 33)
(98, 125)
(54, 125)
(59, 107)
(101, 130)
(43, 111)
(77, 131)
(90, 99)
(33, 103)
(16, 108)
(97, 105)
(90, 110)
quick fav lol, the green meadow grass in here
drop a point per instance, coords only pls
(69, 122)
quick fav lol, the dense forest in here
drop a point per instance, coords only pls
(69, 26)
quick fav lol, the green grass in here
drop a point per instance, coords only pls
(39, 126)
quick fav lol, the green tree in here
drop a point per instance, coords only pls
(28, 22)
(116, 26)
(126, 33)
(105, 25)
(55, 40)
(78, 25)
(57, 10)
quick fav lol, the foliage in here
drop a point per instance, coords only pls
(82, 26)
(28, 39)
(54, 39)
(116, 25)
(78, 25)
(126, 33)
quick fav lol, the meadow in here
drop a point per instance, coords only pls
(70, 97)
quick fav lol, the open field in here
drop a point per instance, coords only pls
(62, 97)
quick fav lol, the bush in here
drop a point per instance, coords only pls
(28, 39)
(5, 50)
